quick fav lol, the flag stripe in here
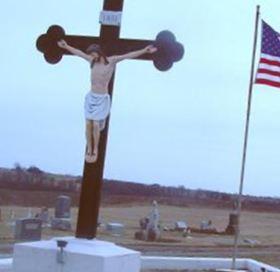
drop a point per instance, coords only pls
(269, 67)
(268, 82)
(269, 77)
(270, 62)
(269, 72)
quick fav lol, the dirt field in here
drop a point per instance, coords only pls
(261, 227)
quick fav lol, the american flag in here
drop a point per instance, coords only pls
(269, 66)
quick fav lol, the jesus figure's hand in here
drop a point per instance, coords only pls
(62, 43)
(150, 49)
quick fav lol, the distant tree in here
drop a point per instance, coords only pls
(18, 167)
(181, 190)
(34, 170)
(19, 176)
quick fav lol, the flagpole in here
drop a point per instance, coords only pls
(239, 199)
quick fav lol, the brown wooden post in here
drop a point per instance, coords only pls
(93, 172)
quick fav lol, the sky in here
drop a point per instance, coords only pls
(184, 126)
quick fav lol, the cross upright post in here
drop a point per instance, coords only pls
(93, 173)
(168, 52)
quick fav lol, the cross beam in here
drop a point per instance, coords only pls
(169, 51)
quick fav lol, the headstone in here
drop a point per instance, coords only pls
(186, 232)
(44, 215)
(251, 242)
(115, 228)
(61, 224)
(62, 207)
(206, 225)
(12, 215)
(29, 229)
(143, 222)
(29, 213)
(62, 219)
(233, 222)
(180, 225)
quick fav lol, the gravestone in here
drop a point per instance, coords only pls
(62, 219)
(28, 229)
(180, 225)
(115, 228)
(12, 215)
(206, 225)
(61, 224)
(29, 213)
(44, 215)
(143, 222)
(232, 224)
(62, 207)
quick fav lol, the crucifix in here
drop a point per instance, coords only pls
(169, 51)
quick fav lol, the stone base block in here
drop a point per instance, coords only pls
(79, 255)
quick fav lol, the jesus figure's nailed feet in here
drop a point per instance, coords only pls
(90, 156)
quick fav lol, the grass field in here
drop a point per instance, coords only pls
(263, 227)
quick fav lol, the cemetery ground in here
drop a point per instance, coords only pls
(260, 231)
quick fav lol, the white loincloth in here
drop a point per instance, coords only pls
(97, 107)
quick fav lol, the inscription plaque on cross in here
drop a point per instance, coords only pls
(169, 51)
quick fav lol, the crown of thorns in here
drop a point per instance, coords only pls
(94, 48)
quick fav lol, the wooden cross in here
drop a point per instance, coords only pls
(168, 52)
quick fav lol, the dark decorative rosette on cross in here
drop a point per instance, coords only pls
(47, 44)
(169, 50)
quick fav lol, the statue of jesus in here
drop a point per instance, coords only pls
(97, 101)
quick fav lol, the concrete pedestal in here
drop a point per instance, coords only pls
(79, 255)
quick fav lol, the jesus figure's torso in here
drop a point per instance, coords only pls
(101, 75)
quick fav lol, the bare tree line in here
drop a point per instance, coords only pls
(35, 179)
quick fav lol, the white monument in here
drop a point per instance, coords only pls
(152, 228)
(69, 254)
